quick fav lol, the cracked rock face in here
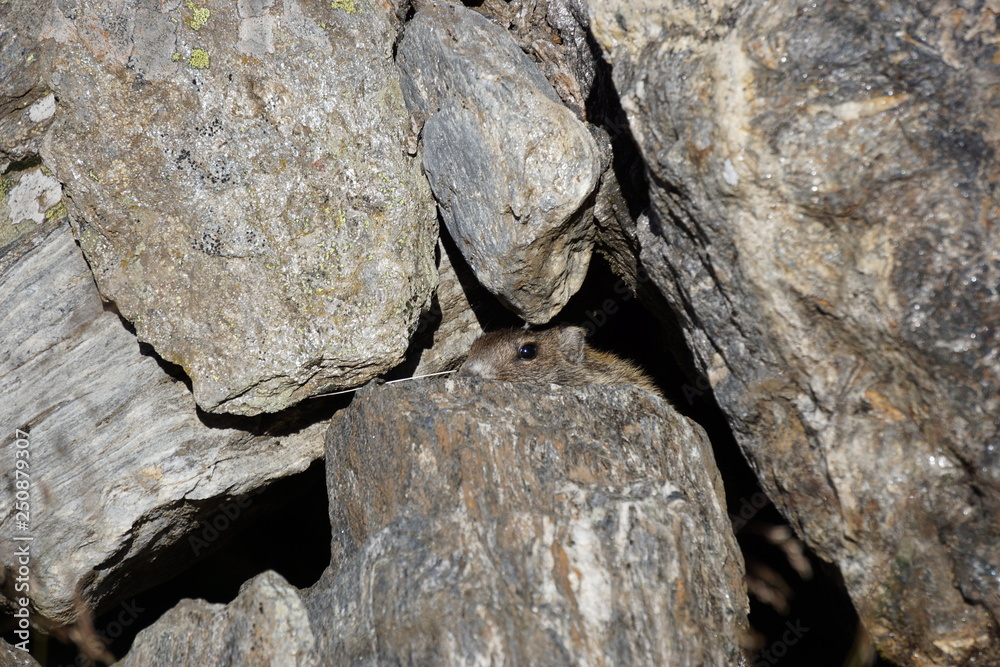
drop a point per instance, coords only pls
(825, 225)
(238, 182)
(512, 169)
(496, 523)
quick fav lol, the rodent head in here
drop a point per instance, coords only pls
(518, 355)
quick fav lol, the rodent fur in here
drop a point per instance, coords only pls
(561, 355)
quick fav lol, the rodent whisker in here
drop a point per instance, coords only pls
(414, 377)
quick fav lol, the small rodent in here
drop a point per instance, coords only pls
(559, 354)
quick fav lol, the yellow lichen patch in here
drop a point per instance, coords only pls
(346, 5)
(57, 211)
(199, 15)
(177, 57)
(198, 59)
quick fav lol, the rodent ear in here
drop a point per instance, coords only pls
(571, 343)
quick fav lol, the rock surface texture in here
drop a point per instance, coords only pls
(29, 195)
(825, 225)
(239, 184)
(512, 169)
(499, 523)
(13, 657)
(265, 625)
(123, 469)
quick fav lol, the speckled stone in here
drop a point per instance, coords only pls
(239, 184)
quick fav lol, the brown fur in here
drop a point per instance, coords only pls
(562, 357)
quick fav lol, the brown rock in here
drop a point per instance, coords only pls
(509, 523)
(824, 224)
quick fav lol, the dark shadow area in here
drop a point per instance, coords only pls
(604, 109)
(29, 162)
(289, 532)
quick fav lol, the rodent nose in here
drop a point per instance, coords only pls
(472, 368)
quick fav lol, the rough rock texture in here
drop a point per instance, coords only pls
(123, 468)
(556, 35)
(825, 224)
(28, 194)
(265, 625)
(512, 169)
(28, 198)
(239, 184)
(501, 523)
(21, 122)
(12, 657)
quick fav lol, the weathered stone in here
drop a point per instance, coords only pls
(128, 482)
(28, 198)
(240, 187)
(265, 625)
(554, 34)
(511, 168)
(500, 523)
(27, 192)
(13, 657)
(825, 226)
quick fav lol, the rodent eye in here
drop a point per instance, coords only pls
(528, 351)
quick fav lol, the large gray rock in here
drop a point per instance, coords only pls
(555, 34)
(511, 167)
(825, 225)
(497, 523)
(501, 523)
(129, 484)
(266, 625)
(239, 184)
